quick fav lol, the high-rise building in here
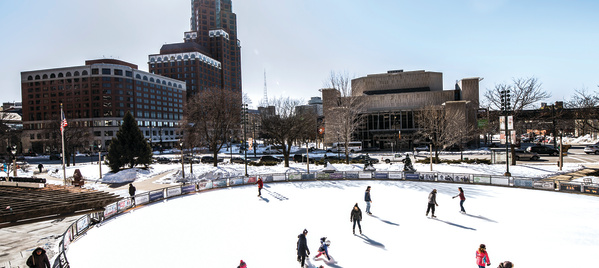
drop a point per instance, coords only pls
(210, 56)
(95, 97)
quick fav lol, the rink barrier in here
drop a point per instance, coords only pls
(86, 222)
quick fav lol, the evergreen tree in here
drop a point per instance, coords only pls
(128, 148)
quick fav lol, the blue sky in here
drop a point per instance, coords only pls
(299, 43)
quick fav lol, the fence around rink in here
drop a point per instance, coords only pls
(86, 222)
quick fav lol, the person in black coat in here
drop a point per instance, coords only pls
(38, 259)
(356, 217)
(302, 247)
(368, 200)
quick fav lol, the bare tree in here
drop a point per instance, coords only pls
(344, 113)
(212, 115)
(524, 92)
(287, 125)
(586, 105)
(432, 125)
(76, 137)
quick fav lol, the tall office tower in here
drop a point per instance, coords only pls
(210, 56)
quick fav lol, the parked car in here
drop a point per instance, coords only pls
(238, 160)
(521, 154)
(541, 149)
(209, 159)
(55, 157)
(162, 160)
(398, 157)
(269, 159)
(363, 158)
(592, 149)
(421, 148)
(273, 149)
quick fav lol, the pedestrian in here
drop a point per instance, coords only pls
(260, 185)
(324, 248)
(38, 259)
(356, 217)
(482, 257)
(368, 200)
(40, 167)
(432, 202)
(506, 264)
(462, 199)
(242, 264)
(131, 190)
(302, 248)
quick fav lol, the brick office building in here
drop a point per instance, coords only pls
(96, 96)
(210, 56)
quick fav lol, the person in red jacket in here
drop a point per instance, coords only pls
(260, 185)
(482, 257)
(242, 264)
(462, 199)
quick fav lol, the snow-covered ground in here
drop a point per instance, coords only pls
(531, 228)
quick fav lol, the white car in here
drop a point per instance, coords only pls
(592, 149)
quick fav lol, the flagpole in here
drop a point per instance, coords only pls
(64, 171)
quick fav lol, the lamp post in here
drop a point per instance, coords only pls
(505, 108)
(245, 114)
(100, 158)
(14, 160)
(183, 161)
(561, 152)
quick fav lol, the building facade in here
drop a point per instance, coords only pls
(389, 103)
(210, 55)
(95, 97)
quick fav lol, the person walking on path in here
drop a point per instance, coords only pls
(132, 192)
(356, 217)
(368, 200)
(462, 199)
(38, 259)
(302, 248)
(40, 167)
(482, 257)
(432, 202)
(260, 185)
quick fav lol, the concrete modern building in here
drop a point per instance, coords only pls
(96, 96)
(391, 100)
(210, 56)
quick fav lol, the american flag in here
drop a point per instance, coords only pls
(63, 121)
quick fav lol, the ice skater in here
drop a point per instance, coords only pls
(260, 185)
(302, 248)
(356, 217)
(324, 248)
(368, 200)
(462, 199)
(482, 257)
(432, 202)
(242, 264)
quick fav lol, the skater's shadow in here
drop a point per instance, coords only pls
(456, 225)
(371, 242)
(264, 199)
(328, 263)
(385, 221)
(482, 218)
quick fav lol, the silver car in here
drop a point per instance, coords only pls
(526, 155)
(592, 149)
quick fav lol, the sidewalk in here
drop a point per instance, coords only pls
(18, 242)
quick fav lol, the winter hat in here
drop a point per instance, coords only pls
(506, 264)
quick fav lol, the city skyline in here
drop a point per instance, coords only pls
(300, 43)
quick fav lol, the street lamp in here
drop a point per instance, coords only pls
(245, 117)
(13, 149)
(505, 108)
(182, 161)
(100, 158)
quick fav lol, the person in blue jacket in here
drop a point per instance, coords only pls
(324, 248)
